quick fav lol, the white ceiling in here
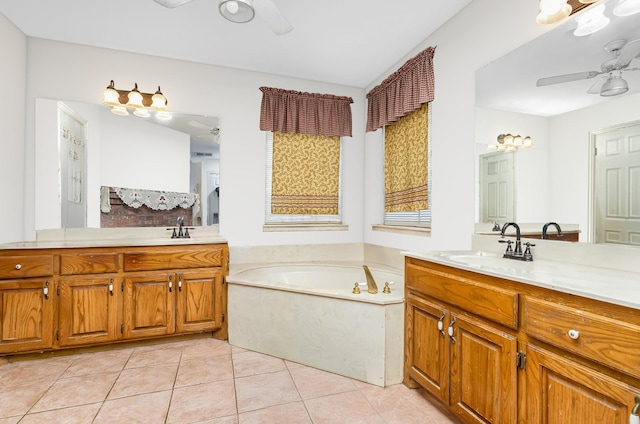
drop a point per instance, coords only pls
(348, 42)
(509, 83)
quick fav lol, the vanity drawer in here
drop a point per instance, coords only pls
(88, 263)
(494, 303)
(609, 341)
(174, 258)
(26, 266)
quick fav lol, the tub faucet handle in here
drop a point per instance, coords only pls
(386, 288)
(356, 288)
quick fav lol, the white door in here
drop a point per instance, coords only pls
(617, 186)
(213, 187)
(496, 188)
(72, 149)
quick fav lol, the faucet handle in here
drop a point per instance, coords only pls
(509, 249)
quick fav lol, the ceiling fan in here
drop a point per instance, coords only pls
(241, 11)
(611, 82)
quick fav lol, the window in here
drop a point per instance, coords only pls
(408, 170)
(303, 178)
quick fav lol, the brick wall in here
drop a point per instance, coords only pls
(122, 215)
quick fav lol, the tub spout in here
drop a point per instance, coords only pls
(372, 287)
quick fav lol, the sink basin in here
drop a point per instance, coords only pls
(481, 259)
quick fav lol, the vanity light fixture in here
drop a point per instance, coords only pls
(552, 11)
(238, 11)
(591, 21)
(122, 101)
(627, 8)
(510, 143)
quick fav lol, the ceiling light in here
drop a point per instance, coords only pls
(239, 11)
(614, 85)
(591, 21)
(627, 7)
(141, 103)
(552, 11)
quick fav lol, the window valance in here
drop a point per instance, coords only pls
(402, 92)
(289, 111)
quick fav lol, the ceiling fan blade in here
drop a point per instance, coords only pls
(200, 125)
(630, 51)
(267, 11)
(171, 3)
(567, 78)
(597, 86)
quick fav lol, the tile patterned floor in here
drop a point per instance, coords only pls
(201, 380)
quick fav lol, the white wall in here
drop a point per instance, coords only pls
(13, 51)
(482, 32)
(80, 73)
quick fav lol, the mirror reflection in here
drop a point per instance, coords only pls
(560, 178)
(92, 165)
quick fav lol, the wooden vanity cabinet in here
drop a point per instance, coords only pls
(69, 297)
(537, 356)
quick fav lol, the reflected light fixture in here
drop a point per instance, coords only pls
(238, 11)
(591, 21)
(627, 8)
(141, 104)
(552, 11)
(510, 143)
(614, 85)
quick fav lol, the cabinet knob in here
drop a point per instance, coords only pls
(574, 334)
(18, 266)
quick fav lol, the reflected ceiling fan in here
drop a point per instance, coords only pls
(611, 82)
(208, 131)
(241, 11)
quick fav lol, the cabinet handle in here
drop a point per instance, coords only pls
(18, 267)
(574, 334)
(45, 290)
(179, 282)
(441, 325)
(633, 418)
(170, 284)
(450, 330)
(111, 287)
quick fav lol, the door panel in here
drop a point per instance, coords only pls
(199, 301)
(149, 305)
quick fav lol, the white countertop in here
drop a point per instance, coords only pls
(612, 286)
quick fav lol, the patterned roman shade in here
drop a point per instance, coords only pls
(289, 111)
(402, 92)
(305, 174)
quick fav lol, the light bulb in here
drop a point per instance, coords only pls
(141, 113)
(232, 7)
(550, 7)
(119, 110)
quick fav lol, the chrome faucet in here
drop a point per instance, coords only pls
(372, 287)
(516, 253)
(544, 230)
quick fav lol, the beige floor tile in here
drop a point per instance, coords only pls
(99, 362)
(350, 407)
(312, 382)
(292, 365)
(141, 409)
(204, 371)
(75, 391)
(264, 390)
(202, 402)
(252, 363)
(232, 419)
(50, 368)
(205, 349)
(83, 414)
(238, 349)
(148, 356)
(135, 381)
(289, 413)
(10, 420)
(18, 399)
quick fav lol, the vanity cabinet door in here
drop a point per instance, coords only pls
(483, 371)
(560, 391)
(88, 310)
(199, 301)
(149, 304)
(26, 315)
(426, 346)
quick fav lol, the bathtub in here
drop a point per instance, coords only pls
(307, 313)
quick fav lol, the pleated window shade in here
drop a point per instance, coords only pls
(406, 169)
(305, 177)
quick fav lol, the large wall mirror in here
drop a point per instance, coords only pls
(558, 178)
(82, 149)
